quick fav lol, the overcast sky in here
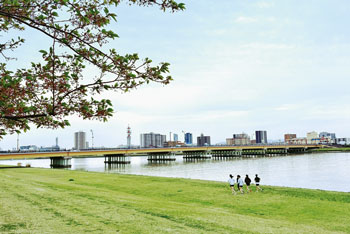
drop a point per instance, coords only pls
(238, 66)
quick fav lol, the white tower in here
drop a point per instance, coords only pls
(128, 137)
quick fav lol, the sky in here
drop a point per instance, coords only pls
(238, 66)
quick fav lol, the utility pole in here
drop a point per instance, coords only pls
(92, 138)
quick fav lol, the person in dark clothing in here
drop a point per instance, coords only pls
(257, 183)
(247, 181)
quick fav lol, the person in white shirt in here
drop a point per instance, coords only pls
(231, 181)
(240, 183)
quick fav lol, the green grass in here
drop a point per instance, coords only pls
(6, 166)
(61, 201)
(343, 149)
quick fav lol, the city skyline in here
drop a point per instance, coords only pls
(237, 67)
(311, 137)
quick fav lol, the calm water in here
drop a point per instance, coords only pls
(326, 171)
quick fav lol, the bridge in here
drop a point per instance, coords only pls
(62, 158)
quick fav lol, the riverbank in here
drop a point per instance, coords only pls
(9, 166)
(332, 149)
(62, 201)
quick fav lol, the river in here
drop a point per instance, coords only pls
(326, 171)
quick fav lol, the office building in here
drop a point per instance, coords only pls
(312, 137)
(176, 137)
(188, 138)
(173, 144)
(239, 139)
(152, 140)
(261, 137)
(203, 140)
(297, 141)
(327, 134)
(79, 140)
(342, 141)
(289, 136)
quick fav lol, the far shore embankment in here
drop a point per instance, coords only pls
(331, 149)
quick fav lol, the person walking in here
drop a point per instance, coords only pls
(231, 181)
(257, 183)
(240, 184)
(247, 181)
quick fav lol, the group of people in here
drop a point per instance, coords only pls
(240, 183)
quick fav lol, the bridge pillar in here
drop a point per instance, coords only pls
(117, 159)
(222, 154)
(60, 162)
(161, 157)
(196, 155)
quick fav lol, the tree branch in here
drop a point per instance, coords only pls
(23, 116)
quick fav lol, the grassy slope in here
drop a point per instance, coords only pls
(344, 149)
(45, 201)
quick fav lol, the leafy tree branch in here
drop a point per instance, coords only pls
(48, 92)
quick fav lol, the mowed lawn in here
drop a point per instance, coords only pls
(62, 201)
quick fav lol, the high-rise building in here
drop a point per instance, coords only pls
(239, 139)
(289, 136)
(261, 137)
(312, 137)
(176, 137)
(150, 140)
(203, 140)
(188, 138)
(79, 140)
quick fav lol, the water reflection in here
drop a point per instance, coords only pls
(115, 167)
(327, 171)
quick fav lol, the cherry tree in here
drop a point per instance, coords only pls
(49, 91)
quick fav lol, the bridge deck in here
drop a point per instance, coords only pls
(131, 152)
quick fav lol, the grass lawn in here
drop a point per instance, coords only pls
(61, 201)
(6, 166)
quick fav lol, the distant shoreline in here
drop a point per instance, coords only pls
(333, 149)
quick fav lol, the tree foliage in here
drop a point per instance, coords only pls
(47, 92)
